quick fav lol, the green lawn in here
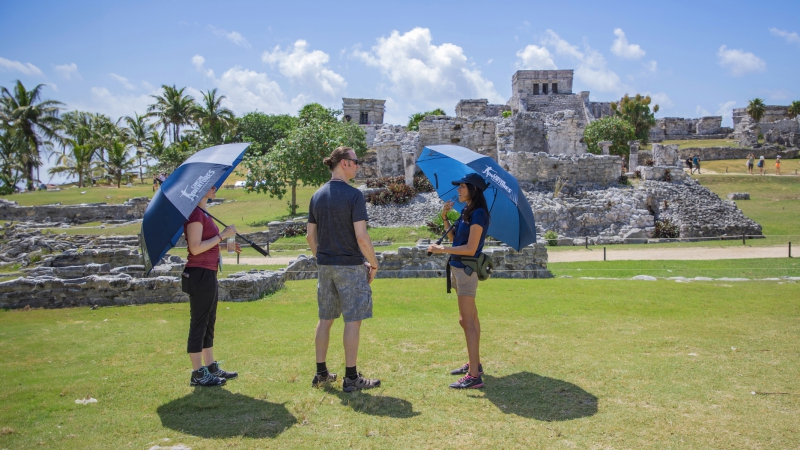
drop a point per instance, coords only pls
(730, 268)
(700, 143)
(569, 364)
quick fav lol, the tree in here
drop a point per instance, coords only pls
(298, 157)
(264, 130)
(119, 161)
(794, 109)
(78, 161)
(610, 128)
(156, 144)
(36, 121)
(173, 110)
(174, 155)
(138, 130)
(637, 112)
(215, 120)
(12, 171)
(756, 109)
(415, 119)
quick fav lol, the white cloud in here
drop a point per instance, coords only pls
(198, 62)
(233, 36)
(701, 112)
(248, 90)
(53, 85)
(424, 75)
(791, 37)
(726, 111)
(26, 68)
(113, 105)
(535, 58)
(623, 49)
(661, 99)
(124, 81)
(651, 66)
(739, 62)
(309, 68)
(69, 71)
(591, 68)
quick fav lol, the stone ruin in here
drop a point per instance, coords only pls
(672, 128)
(133, 209)
(781, 130)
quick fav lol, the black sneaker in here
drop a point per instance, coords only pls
(320, 380)
(216, 370)
(359, 383)
(465, 369)
(468, 382)
(203, 377)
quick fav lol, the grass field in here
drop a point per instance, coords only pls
(569, 364)
(730, 268)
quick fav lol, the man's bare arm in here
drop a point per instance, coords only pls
(311, 238)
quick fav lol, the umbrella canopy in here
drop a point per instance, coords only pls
(511, 214)
(163, 221)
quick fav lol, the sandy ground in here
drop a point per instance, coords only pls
(596, 254)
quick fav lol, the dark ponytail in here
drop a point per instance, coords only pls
(337, 155)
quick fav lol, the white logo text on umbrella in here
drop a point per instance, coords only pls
(199, 183)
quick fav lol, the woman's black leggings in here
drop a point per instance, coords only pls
(201, 285)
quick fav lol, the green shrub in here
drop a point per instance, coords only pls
(551, 237)
(611, 128)
(399, 193)
(436, 224)
(665, 229)
(422, 184)
(298, 229)
(507, 114)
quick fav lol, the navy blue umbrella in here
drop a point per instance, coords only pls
(163, 221)
(511, 214)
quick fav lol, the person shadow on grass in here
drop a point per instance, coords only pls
(374, 405)
(218, 413)
(533, 396)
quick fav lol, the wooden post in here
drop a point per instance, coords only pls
(604, 253)
(743, 236)
(790, 249)
(587, 242)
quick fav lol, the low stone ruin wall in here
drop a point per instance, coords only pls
(540, 167)
(717, 153)
(133, 209)
(414, 262)
(122, 289)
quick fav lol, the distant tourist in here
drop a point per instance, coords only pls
(696, 163)
(778, 165)
(337, 235)
(468, 239)
(689, 163)
(155, 183)
(761, 165)
(750, 160)
(199, 280)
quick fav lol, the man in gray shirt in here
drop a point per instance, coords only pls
(337, 235)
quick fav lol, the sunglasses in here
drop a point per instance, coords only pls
(353, 160)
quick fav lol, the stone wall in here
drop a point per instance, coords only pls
(385, 156)
(772, 113)
(414, 262)
(529, 84)
(476, 134)
(132, 209)
(479, 108)
(565, 133)
(587, 168)
(363, 110)
(668, 128)
(717, 153)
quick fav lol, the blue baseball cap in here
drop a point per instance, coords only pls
(473, 179)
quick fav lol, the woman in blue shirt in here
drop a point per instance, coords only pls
(468, 238)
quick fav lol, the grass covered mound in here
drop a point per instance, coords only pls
(569, 363)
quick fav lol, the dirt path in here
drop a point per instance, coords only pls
(596, 254)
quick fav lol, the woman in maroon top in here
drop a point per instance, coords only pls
(204, 239)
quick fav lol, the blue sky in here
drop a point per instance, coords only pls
(695, 58)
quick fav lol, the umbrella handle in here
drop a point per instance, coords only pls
(252, 244)
(439, 241)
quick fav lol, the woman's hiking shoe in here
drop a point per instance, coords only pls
(359, 383)
(216, 370)
(320, 380)
(468, 382)
(202, 377)
(465, 369)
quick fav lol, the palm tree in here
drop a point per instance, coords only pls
(35, 120)
(118, 161)
(637, 112)
(173, 110)
(11, 168)
(756, 109)
(794, 109)
(139, 130)
(78, 162)
(214, 119)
